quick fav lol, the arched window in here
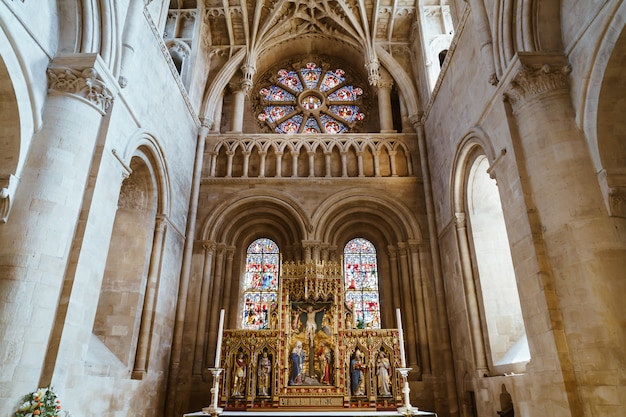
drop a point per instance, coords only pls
(500, 299)
(311, 99)
(260, 283)
(361, 281)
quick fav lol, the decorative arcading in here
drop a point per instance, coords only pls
(86, 84)
(531, 82)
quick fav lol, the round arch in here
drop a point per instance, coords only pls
(247, 213)
(144, 145)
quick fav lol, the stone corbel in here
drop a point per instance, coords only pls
(85, 77)
(8, 184)
(617, 202)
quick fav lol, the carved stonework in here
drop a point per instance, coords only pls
(617, 202)
(86, 84)
(531, 82)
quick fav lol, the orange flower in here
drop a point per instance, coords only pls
(37, 412)
(58, 407)
(39, 405)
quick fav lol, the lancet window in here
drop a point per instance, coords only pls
(311, 99)
(260, 283)
(361, 281)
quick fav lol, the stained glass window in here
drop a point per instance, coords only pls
(260, 283)
(311, 99)
(361, 281)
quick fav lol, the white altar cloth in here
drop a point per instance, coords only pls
(329, 413)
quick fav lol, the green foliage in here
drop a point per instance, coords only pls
(41, 403)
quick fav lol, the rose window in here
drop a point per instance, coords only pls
(311, 100)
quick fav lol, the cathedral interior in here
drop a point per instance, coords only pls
(265, 187)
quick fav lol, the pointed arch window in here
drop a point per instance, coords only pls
(260, 283)
(361, 282)
(311, 100)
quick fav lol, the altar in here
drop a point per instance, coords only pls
(313, 359)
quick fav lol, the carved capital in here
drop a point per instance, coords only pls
(459, 220)
(83, 76)
(531, 81)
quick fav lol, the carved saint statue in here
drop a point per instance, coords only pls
(265, 369)
(357, 373)
(297, 365)
(239, 376)
(383, 368)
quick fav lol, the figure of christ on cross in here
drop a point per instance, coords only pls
(311, 325)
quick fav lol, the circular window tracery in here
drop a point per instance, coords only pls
(311, 100)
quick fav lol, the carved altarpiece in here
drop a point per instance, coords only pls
(311, 329)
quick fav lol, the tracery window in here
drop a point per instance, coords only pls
(361, 282)
(311, 100)
(260, 283)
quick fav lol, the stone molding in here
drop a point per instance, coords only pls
(83, 76)
(535, 76)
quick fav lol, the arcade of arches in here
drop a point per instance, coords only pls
(474, 150)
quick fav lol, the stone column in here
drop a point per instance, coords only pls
(384, 104)
(418, 297)
(229, 163)
(279, 164)
(359, 156)
(262, 156)
(149, 302)
(344, 163)
(580, 260)
(407, 307)
(228, 280)
(38, 235)
(246, 163)
(294, 164)
(327, 158)
(311, 156)
(478, 342)
(216, 295)
(239, 97)
(201, 330)
(376, 155)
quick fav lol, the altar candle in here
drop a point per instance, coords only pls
(218, 352)
(401, 337)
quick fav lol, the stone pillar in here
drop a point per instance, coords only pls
(579, 257)
(327, 158)
(294, 164)
(229, 163)
(216, 295)
(344, 163)
(478, 342)
(246, 163)
(279, 164)
(262, 156)
(418, 297)
(239, 97)
(359, 156)
(228, 279)
(201, 330)
(407, 307)
(311, 156)
(38, 235)
(376, 155)
(384, 104)
(392, 163)
(149, 302)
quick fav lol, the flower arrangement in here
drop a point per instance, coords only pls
(41, 403)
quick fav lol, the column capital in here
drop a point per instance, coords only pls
(85, 77)
(536, 74)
